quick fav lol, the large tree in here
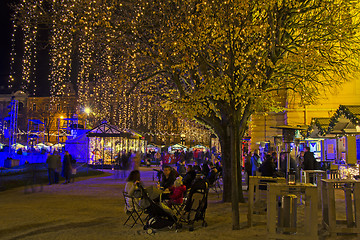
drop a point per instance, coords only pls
(214, 61)
(221, 61)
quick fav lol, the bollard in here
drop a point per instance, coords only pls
(287, 214)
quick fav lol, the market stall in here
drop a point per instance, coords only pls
(106, 141)
(344, 149)
(175, 147)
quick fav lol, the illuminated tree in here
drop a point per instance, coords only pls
(224, 60)
(214, 61)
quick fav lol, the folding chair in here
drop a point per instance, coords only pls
(178, 209)
(133, 209)
(216, 186)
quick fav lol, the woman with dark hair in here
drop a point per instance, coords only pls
(131, 181)
(130, 187)
(168, 178)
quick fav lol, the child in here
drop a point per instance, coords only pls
(177, 192)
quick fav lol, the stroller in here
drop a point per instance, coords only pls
(196, 203)
(159, 215)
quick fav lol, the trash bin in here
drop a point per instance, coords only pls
(287, 214)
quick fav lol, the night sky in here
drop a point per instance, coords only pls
(5, 45)
(42, 73)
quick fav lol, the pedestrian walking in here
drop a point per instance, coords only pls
(51, 166)
(66, 168)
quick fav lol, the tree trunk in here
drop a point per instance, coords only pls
(239, 169)
(234, 173)
(226, 162)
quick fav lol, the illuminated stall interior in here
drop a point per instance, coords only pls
(318, 138)
(107, 141)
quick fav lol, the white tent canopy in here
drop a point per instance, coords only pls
(177, 147)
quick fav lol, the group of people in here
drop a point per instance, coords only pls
(268, 167)
(173, 183)
(171, 188)
(55, 167)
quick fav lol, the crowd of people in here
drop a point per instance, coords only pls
(178, 155)
(268, 167)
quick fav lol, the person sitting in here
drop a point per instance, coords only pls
(196, 167)
(130, 188)
(205, 168)
(168, 178)
(189, 176)
(213, 174)
(177, 192)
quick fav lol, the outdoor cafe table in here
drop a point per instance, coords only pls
(255, 183)
(352, 194)
(316, 174)
(276, 190)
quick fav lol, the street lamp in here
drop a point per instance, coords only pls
(87, 110)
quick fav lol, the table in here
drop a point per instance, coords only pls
(352, 196)
(307, 174)
(255, 183)
(276, 190)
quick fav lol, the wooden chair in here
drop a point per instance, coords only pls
(133, 209)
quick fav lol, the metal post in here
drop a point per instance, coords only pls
(13, 123)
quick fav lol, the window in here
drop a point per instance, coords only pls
(34, 107)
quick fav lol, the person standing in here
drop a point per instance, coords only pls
(309, 162)
(58, 166)
(255, 162)
(248, 169)
(51, 165)
(267, 168)
(124, 163)
(66, 167)
(136, 158)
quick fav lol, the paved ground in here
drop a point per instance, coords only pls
(93, 208)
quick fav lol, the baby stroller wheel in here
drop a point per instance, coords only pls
(145, 227)
(191, 228)
(150, 231)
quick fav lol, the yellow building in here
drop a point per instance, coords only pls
(329, 101)
(296, 114)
